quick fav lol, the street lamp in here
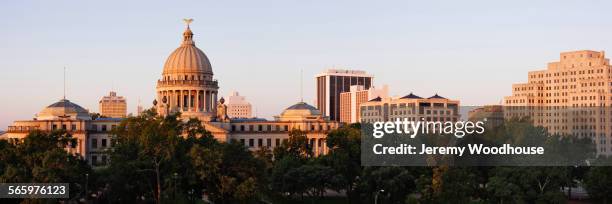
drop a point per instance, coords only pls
(86, 185)
(175, 178)
(376, 196)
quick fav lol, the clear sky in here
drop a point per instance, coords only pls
(467, 50)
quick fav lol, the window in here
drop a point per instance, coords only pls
(64, 127)
(103, 128)
(94, 143)
(242, 141)
(286, 128)
(94, 160)
(54, 127)
(73, 127)
(277, 142)
(251, 142)
(94, 127)
(269, 142)
(103, 159)
(104, 143)
(259, 142)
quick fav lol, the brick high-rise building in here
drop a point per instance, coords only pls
(551, 98)
(113, 106)
(331, 83)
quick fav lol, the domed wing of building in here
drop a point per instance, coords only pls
(300, 112)
(63, 109)
(187, 84)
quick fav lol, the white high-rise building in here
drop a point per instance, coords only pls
(238, 107)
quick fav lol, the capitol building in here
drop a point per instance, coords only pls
(187, 87)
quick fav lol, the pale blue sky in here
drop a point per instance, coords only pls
(467, 50)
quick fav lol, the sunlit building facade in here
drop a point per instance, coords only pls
(571, 96)
(410, 107)
(91, 137)
(113, 106)
(238, 106)
(351, 101)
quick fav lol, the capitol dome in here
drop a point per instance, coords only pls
(63, 109)
(299, 112)
(187, 60)
(187, 85)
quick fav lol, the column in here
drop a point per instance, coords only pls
(197, 101)
(178, 99)
(215, 102)
(207, 101)
(190, 102)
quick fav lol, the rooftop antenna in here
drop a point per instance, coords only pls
(301, 85)
(64, 97)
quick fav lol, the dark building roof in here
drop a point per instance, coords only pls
(437, 96)
(301, 106)
(376, 99)
(412, 96)
(64, 103)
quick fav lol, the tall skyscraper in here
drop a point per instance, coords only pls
(567, 97)
(113, 106)
(350, 101)
(331, 83)
(238, 107)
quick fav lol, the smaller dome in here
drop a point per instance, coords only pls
(436, 96)
(299, 112)
(63, 109)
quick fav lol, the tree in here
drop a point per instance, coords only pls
(42, 158)
(228, 171)
(598, 183)
(397, 183)
(526, 184)
(345, 159)
(296, 146)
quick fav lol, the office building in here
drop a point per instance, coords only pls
(238, 106)
(113, 106)
(331, 83)
(351, 101)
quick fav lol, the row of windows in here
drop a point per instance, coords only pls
(94, 143)
(73, 127)
(186, 77)
(263, 128)
(103, 128)
(277, 142)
